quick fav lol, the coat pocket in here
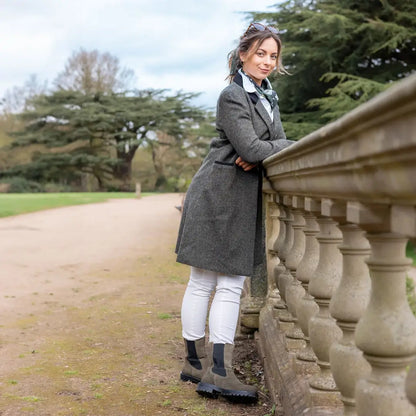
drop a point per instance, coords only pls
(218, 162)
(222, 186)
(232, 190)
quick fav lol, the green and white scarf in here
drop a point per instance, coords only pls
(268, 92)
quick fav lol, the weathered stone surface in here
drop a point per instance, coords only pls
(368, 155)
(359, 169)
(282, 380)
(411, 384)
(287, 383)
(249, 313)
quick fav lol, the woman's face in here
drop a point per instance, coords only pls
(260, 64)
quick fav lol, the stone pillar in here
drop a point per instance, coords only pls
(285, 277)
(286, 247)
(138, 190)
(272, 233)
(347, 306)
(403, 221)
(307, 307)
(387, 331)
(294, 290)
(288, 220)
(323, 331)
(255, 293)
(278, 247)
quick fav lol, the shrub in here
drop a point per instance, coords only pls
(176, 184)
(18, 184)
(118, 186)
(56, 187)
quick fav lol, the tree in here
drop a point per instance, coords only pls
(181, 127)
(15, 100)
(175, 162)
(94, 72)
(340, 53)
(100, 133)
(18, 98)
(69, 147)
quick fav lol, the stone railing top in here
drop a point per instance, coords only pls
(368, 155)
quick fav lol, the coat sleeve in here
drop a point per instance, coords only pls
(234, 118)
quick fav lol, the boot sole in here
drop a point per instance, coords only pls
(236, 396)
(239, 396)
(208, 390)
(187, 377)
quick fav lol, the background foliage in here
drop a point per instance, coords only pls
(84, 133)
(90, 131)
(340, 53)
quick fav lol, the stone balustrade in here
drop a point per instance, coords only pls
(336, 332)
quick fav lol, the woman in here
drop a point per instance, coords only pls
(220, 234)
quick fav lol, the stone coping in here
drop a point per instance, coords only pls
(368, 155)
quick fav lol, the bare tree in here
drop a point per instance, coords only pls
(18, 98)
(92, 71)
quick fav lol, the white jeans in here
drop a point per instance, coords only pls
(223, 316)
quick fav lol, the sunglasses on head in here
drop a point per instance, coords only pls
(260, 27)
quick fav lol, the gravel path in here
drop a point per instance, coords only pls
(41, 252)
(90, 314)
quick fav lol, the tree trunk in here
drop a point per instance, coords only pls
(122, 171)
(159, 166)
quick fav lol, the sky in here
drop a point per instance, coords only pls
(180, 45)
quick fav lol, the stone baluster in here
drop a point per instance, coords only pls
(403, 220)
(323, 331)
(386, 333)
(285, 277)
(294, 290)
(286, 246)
(307, 307)
(268, 200)
(256, 288)
(411, 384)
(278, 247)
(273, 260)
(347, 306)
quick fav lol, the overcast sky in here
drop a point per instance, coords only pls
(174, 44)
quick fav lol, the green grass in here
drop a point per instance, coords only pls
(164, 316)
(14, 204)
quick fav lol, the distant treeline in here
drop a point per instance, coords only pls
(91, 131)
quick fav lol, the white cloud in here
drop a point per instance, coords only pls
(180, 45)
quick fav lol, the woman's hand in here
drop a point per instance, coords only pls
(245, 165)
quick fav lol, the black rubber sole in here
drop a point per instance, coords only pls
(188, 377)
(235, 396)
(208, 390)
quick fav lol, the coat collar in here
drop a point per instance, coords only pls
(255, 99)
(238, 79)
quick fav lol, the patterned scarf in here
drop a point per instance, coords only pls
(268, 93)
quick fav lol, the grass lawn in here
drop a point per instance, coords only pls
(14, 204)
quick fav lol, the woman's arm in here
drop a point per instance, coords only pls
(235, 119)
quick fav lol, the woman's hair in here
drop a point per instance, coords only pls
(250, 42)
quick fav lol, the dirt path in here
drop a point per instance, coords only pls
(89, 313)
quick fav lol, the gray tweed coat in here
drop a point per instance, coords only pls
(221, 225)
